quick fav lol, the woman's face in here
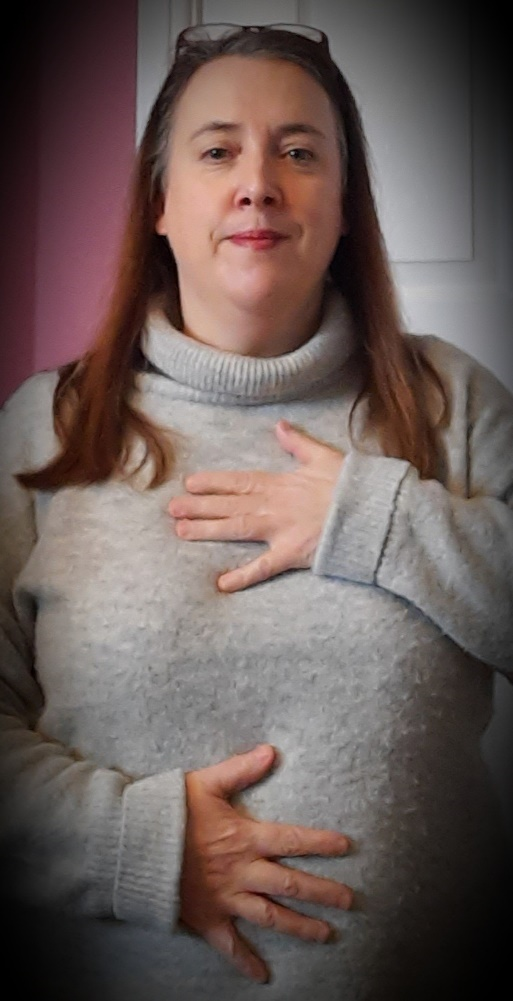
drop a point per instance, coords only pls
(253, 203)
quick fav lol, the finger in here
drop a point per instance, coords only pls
(288, 840)
(237, 482)
(229, 942)
(242, 528)
(240, 771)
(208, 506)
(268, 565)
(302, 446)
(281, 881)
(268, 914)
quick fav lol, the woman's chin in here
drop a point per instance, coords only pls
(258, 293)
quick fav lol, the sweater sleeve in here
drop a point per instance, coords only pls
(73, 835)
(446, 549)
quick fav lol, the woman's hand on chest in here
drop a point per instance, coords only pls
(286, 510)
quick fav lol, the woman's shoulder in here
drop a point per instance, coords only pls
(445, 353)
(35, 392)
(27, 427)
(461, 371)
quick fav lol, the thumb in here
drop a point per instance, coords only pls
(302, 446)
(240, 771)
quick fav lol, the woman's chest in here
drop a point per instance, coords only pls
(145, 664)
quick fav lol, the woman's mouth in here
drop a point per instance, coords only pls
(257, 239)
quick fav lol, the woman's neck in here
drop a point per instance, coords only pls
(186, 369)
(272, 329)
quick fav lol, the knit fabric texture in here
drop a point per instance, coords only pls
(124, 666)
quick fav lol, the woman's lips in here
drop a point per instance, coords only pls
(257, 239)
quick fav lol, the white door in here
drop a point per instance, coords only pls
(442, 169)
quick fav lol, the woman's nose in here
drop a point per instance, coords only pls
(258, 183)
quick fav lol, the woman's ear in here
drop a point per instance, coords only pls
(160, 217)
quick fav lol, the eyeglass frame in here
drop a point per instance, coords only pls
(231, 29)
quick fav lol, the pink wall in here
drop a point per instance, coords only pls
(18, 209)
(73, 139)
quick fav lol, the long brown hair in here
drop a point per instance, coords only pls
(94, 415)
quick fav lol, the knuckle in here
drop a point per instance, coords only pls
(230, 941)
(267, 914)
(263, 567)
(247, 483)
(243, 527)
(222, 937)
(292, 842)
(290, 885)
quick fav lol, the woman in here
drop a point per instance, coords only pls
(257, 580)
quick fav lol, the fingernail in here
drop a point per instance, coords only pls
(258, 972)
(324, 934)
(348, 900)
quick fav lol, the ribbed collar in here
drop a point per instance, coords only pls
(194, 371)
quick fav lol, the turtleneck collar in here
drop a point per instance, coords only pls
(191, 370)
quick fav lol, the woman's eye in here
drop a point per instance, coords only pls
(301, 155)
(216, 153)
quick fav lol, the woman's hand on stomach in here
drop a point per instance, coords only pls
(231, 865)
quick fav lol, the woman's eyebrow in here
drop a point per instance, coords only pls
(292, 128)
(287, 129)
(215, 126)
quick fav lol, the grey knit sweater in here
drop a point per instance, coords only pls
(123, 666)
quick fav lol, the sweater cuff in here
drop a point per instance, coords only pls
(360, 517)
(147, 887)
